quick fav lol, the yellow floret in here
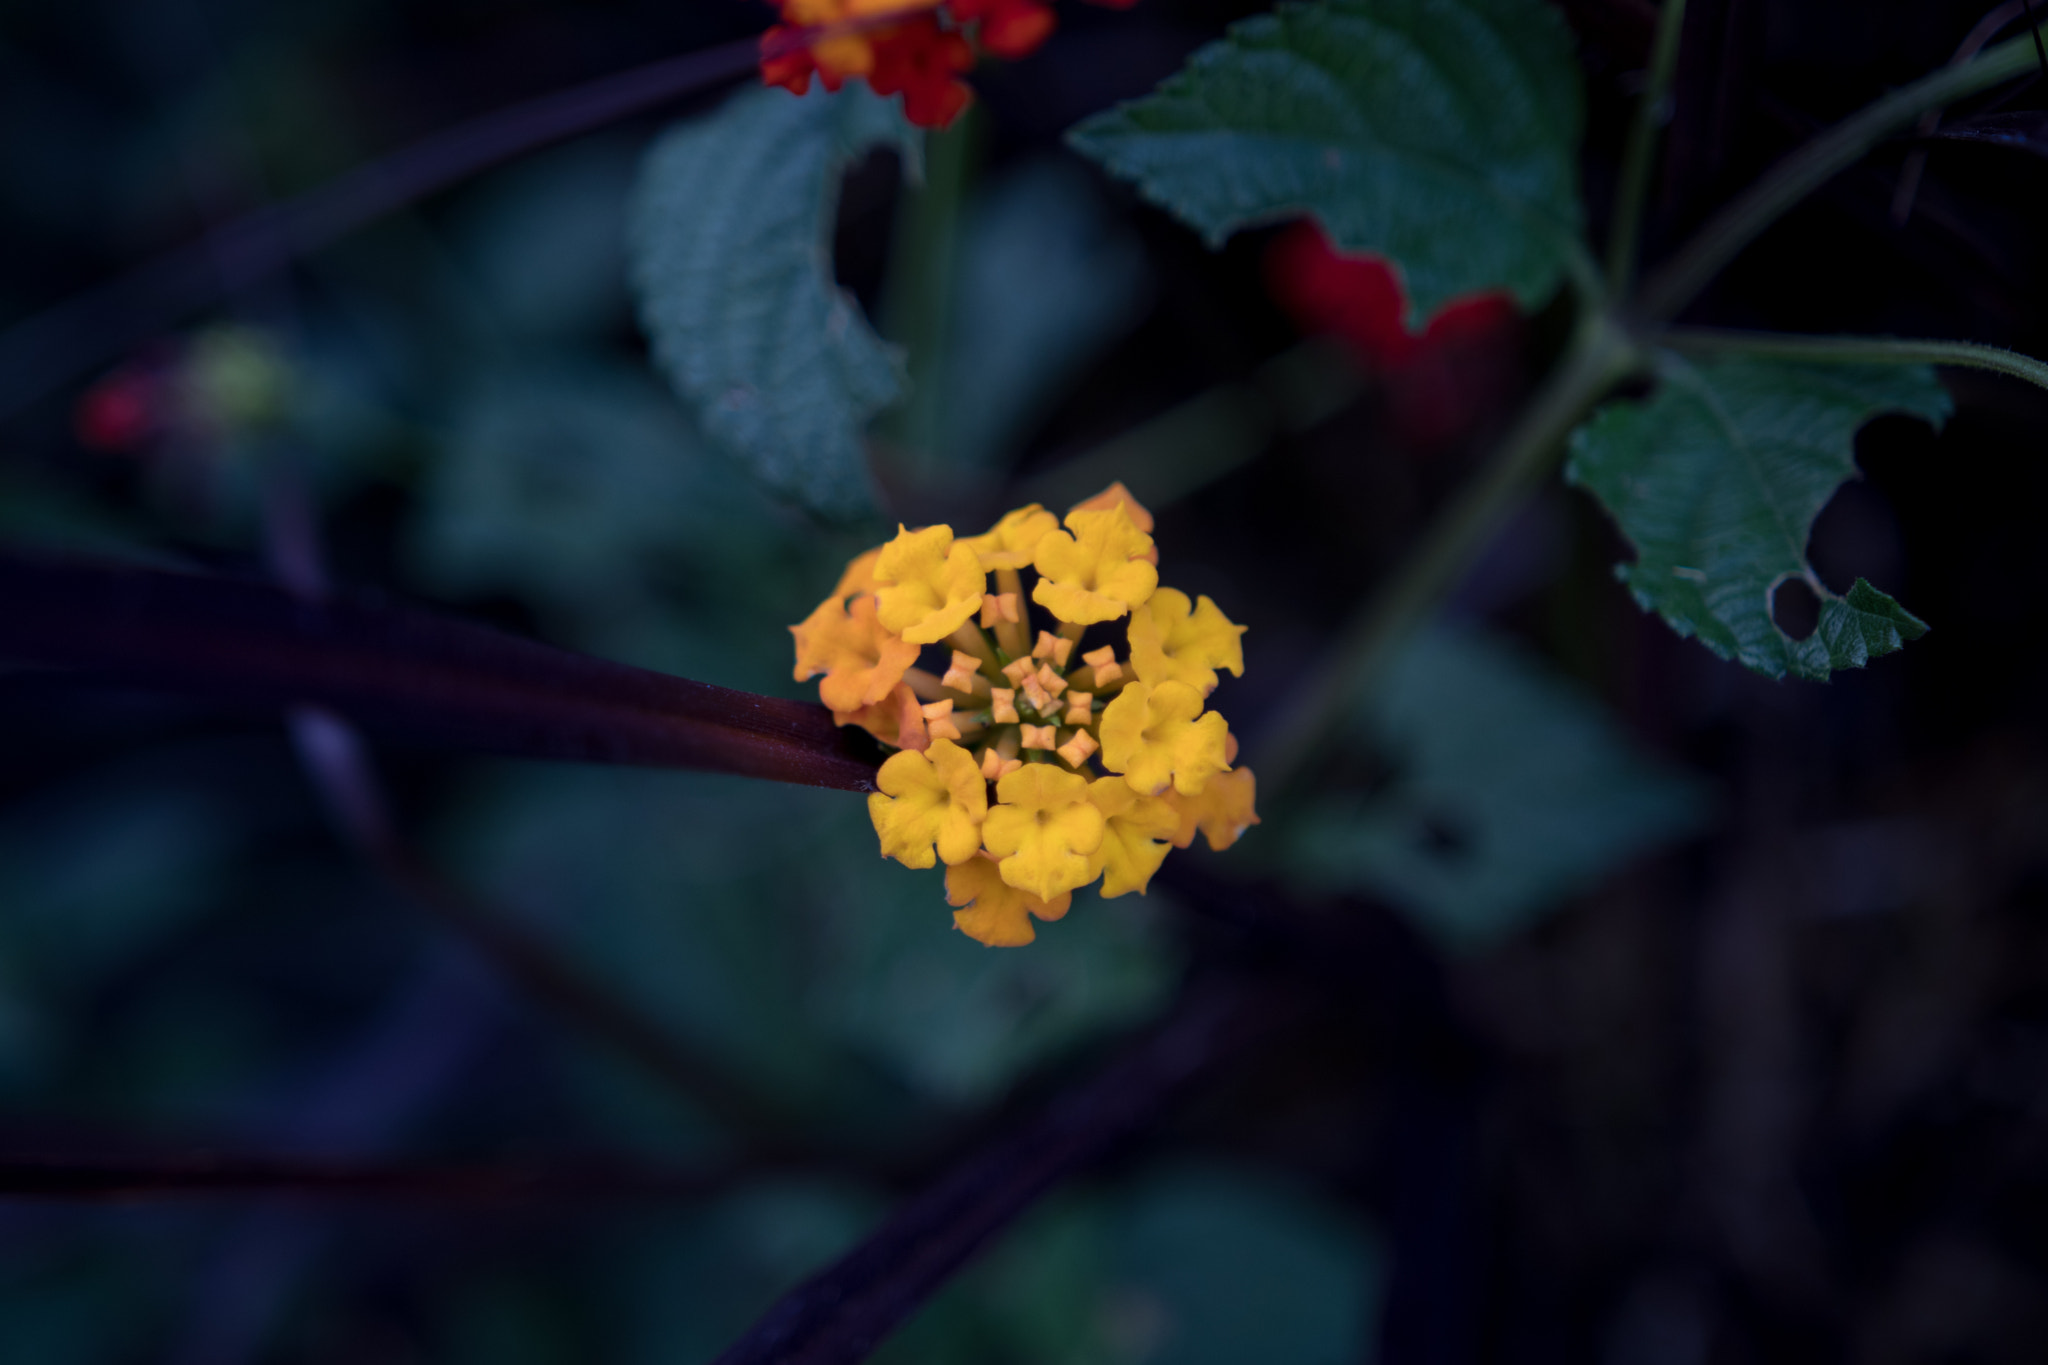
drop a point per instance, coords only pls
(1171, 642)
(927, 586)
(935, 799)
(1014, 539)
(1097, 573)
(1133, 829)
(1158, 735)
(1044, 830)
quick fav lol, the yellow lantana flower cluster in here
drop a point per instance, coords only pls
(1033, 761)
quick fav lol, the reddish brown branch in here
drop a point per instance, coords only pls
(406, 672)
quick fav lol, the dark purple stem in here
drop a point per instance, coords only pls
(345, 777)
(840, 1315)
(68, 1180)
(407, 672)
(93, 328)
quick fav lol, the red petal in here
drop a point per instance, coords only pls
(1357, 298)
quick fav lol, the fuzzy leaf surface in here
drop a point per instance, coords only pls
(1441, 134)
(1717, 478)
(732, 266)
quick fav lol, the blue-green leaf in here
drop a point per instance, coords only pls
(1509, 791)
(732, 264)
(1442, 134)
(1717, 479)
(567, 481)
(1239, 1267)
(760, 922)
(95, 877)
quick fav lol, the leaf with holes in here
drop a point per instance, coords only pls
(1442, 134)
(1717, 479)
(1505, 790)
(732, 264)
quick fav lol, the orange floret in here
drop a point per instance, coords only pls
(1223, 812)
(862, 662)
(992, 911)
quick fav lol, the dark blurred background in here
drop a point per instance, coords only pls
(1777, 1090)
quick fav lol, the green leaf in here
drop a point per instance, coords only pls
(675, 892)
(541, 242)
(1236, 1266)
(1442, 134)
(97, 876)
(565, 480)
(761, 923)
(1717, 479)
(77, 1299)
(1042, 1292)
(1509, 790)
(687, 1285)
(732, 264)
(956, 1020)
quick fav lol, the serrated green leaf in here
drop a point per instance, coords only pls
(1442, 134)
(1717, 479)
(732, 265)
(1510, 790)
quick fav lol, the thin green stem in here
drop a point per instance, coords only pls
(1601, 354)
(1855, 350)
(1624, 240)
(1196, 442)
(1798, 175)
(917, 309)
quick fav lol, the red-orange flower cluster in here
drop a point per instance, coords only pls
(1463, 365)
(921, 56)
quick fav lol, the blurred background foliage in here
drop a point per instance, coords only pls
(1776, 1094)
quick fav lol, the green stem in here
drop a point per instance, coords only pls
(1601, 353)
(1813, 165)
(917, 308)
(1624, 240)
(1196, 442)
(1855, 350)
